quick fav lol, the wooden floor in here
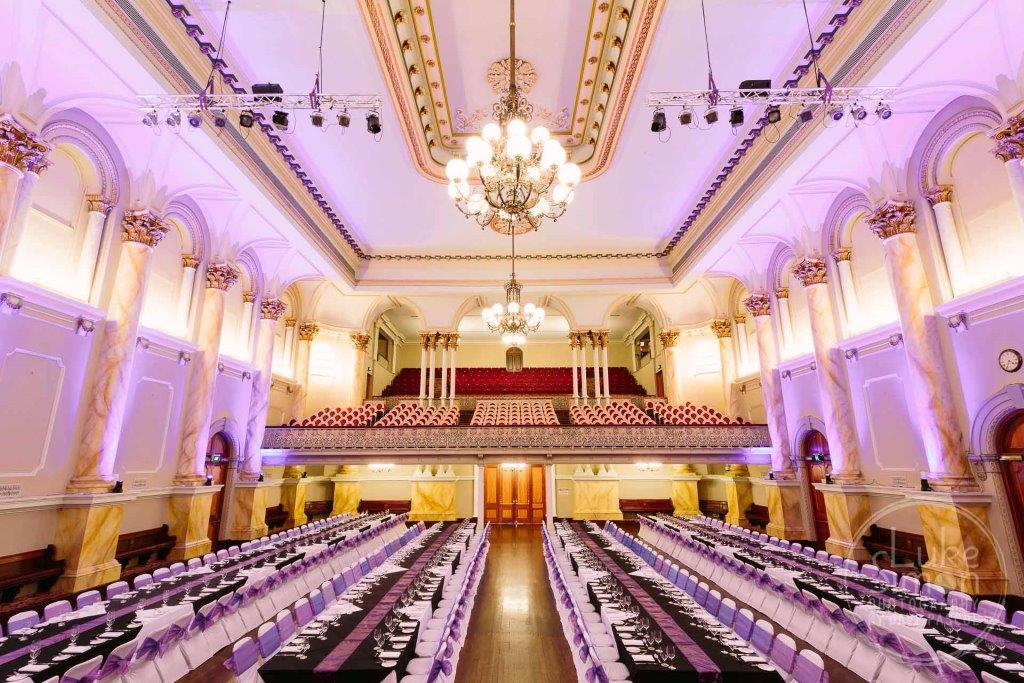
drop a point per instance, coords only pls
(514, 633)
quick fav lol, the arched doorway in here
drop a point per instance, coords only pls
(218, 455)
(1011, 450)
(818, 465)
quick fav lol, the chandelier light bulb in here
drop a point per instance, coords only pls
(561, 193)
(569, 174)
(518, 146)
(552, 154)
(540, 135)
(497, 309)
(513, 307)
(457, 170)
(459, 190)
(488, 170)
(478, 151)
(491, 132)
(515, 127)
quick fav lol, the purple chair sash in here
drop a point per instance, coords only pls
(87, 677)
(115, 665)
(148, 649)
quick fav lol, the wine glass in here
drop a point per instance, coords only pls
(75, 630)
(378, 637)
(110, 622)
(34, 651)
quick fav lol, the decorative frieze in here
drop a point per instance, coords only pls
(221, 276)
(1010, 139)
(893, 218)
(142, 227)
(307, 331)
(942, 194)
(810, 271)
(721, 328)
(272, 309)
(21, 148)
(758, 305)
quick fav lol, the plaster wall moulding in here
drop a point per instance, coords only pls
(618, 39)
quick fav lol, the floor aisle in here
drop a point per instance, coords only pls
(514, 634)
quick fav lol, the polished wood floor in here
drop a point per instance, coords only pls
(514, 633)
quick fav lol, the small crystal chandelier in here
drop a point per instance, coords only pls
(511, 180)
(513, 321)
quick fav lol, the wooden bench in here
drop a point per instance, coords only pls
(143, 551)
(35, 568)
(275, 517)
(900, 551)
(318, 509)
(714, 508)
(757, 516)
(631, 507)
(375, 506)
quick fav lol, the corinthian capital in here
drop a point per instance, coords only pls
(221, 276)
(21, 148)
(943, 194)
(1010, 139)
(810, 271)
(189, 261)
(893, 218)
(721, 328)
(272, 309)
(360, 340)
(307, 331)
(758, 305)
(142, 227)
(842, 254)
(668, 338)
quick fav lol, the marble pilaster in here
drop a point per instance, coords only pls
(941, 201)
(89, 251)
(742, 346)
(848, 509)
(293, 497)
(1010, 150)
(432, 500)
(596, 497)
(574, 346)
(739, 494)
(86, 540)
(723, 331)
(346, 493)
(685, 496)
(431, 350)
(595, 344)
(220, 277)
(785, 517)
(785, 320)
(259, 398)
(963, 554)
(453, 347)
(847, 288)
(424, 346)
(360, 340)
(23, 156)
(583, 365)
(604, 366)
(190, 521)
(442, 342)
(249, 510)
(307, 332)
(668, 367)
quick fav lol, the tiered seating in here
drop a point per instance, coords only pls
(615, 413)
(412, 415)
(514, 413)
(497, 381)
(361, 416)
(688, 414)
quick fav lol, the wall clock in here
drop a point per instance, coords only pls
(1010, 360)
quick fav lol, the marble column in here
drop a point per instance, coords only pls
(595, 343)
(785, 509)
(424, 345)
(245, 324)
(785, 320)
(86, 540)
(289, 345)
(574, 343)
(189, 264)
(360, 340)
(259, 397)
(453, 347)
(293, 495)
(249, 510)
(89, 251)
(723, 330)
(442, 340)
(668, 367)
(604, 366)
(307, 332)
(760, 308)
(941, 201)
(739, 494)
(431, 349)
(583, 365)
(22, 159)
(1010, 150)
(847, 288)
(963, 553)
(107, 398)
(220, 277)
(685, 494)
(742, 346)
(930, 395)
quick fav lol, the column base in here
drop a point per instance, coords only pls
(91, 485)
(849, 510)
(785, 516)
(249, 511)
(190, 521)
(596, 499)
(685, 497)
(432, 501)
(739, 494)
(293, 500)
(188, 480)
(86, 540)
(346, 496)
(963, 554)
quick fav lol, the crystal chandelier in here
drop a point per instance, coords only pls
(512, 178)
(514, 320)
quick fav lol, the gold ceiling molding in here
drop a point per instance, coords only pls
(619, 34)
(498, 76)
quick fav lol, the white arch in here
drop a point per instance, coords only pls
(990, 417)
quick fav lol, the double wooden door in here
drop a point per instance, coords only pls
(514, 495)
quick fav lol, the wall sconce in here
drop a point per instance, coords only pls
(379, 467)
(514, 466)
(648, 466)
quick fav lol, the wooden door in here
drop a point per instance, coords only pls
(514, 496)
(1011, 448)
(217, 456)
(819, 465)
(659, 384)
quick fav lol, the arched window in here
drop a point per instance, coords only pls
(238, 314)
(163, 291)
(876, 303)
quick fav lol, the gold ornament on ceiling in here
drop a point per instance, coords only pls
(498, 76)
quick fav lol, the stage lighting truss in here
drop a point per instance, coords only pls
(698, 100)
(266, 104)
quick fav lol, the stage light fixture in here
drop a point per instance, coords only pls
(658, 123)
(836, 113)
(736, 117)
(246, 119)
(220, 120)
(859, 113)
(774, 114)
(685, 117)
(195, 119)
(173, 119)
(280, 120)
(373, 123)
(805, 116)
(884, 112)
(711, 116)
(344, 119)
(317, 119)
(150, 119)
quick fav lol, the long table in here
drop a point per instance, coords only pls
(702, 654)
(344, 647)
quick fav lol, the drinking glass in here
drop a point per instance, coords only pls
(34, 651)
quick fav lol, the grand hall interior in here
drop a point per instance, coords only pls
(434, 341)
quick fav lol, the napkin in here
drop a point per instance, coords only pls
(388, 654)
(1011, 666)
(966, 647)
(643, 658)
(75, 649)
(33, 668)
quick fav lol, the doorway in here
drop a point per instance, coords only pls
(218, 455)
(818, 465)
(514, 494)
(1011, 450)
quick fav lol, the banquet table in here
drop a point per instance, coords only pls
(342, 648)
(702, 653)
(131, 616)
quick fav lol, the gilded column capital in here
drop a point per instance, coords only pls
(893, 218)
(248, 296)
(425, 342)
(721, 328)
(290, 322)
(189, 261)
(739, 319)
(272, 309)
(943, 194)
(810, 271)
(842, 254)
(308, 330)
(782, 293)
(21, 148)
(360, 340)
(95, 203)
(574, 340)
(142, 227)
(604, 338)
(1010, 139)
(758, 305)
(668, 338)
(221, 276)
(453, 341)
